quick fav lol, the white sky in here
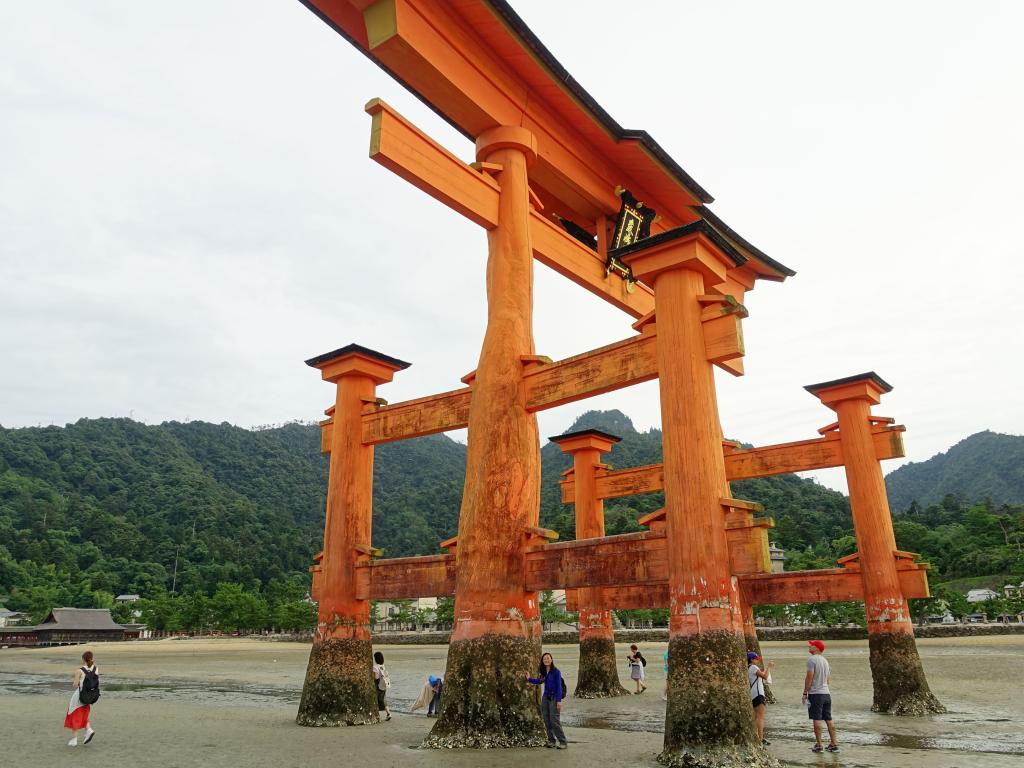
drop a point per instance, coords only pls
(187, 210)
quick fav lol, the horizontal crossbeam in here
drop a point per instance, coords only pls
(791, 588)
(405, 150)
(548, 385)
(742, 464)
(406, 577)
(630, 569)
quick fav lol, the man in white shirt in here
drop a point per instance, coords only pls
(817, 696)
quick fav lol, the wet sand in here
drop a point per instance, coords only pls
(190, 703)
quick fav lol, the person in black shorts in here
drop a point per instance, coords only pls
(818, 697)
(756, 677)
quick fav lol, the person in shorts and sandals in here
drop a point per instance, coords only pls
(756, 677)
(637, 662)
(383, 682)
(87, 691)
(817, 697)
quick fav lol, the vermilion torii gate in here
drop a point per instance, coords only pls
(546, 153)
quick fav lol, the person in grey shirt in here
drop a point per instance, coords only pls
(817, 697)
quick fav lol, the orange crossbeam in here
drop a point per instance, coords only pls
(405, 150)
(631, 571)
(743, 464)
(406, 577)
(548, 385)
(415, 418)
(632, 558)
(792, 588)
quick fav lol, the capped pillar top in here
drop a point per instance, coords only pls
(506, 137)
(695, 246)
(571, 442)
(355, 360)
(862, 386)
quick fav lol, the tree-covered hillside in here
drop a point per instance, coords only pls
(987, 465)
(107, 506)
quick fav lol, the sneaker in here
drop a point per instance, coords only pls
(832, 748)
(817, 748)
(88, 736)
(73, 743)
(387, 718)
(562, 745)
(550, 745)
(765, 743)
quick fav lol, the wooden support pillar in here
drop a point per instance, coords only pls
(708, 721)
(755, 558)
(339, 687)
(900, 686)
(598, 672)
(496, 640)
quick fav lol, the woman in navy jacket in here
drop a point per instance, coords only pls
(551, 704)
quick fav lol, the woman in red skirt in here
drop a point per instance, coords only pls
(77, 717)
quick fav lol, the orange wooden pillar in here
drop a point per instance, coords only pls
(339, 686)
(900, 686)
(598, 675)
(495, 642)
(709, 720)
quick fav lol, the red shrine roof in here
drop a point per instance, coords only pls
(478, 65)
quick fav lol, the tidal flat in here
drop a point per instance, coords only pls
(213, 702)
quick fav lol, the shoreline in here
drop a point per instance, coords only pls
(660, 635)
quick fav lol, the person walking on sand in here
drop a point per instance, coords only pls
(637, 662)
(436, 684)
(551, 702)
(817, 697)
(430, 696)
(756, 677)
(383, 682)
(87, 691)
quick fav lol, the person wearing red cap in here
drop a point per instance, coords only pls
(817, 697)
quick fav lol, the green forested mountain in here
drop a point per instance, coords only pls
(105, 506)
(806, 513)
(987, 465)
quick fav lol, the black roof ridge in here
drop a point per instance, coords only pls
(715, 220)
(702, 226)
(313, 362)
(520, 27)
(581, 432)
(869, 375)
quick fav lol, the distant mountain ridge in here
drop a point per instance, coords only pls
(984, 465)
(113, 506)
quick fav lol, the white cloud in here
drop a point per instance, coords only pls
(187, 210)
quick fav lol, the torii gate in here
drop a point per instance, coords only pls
(544, 148)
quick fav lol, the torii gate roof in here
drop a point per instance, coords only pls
(478, 65)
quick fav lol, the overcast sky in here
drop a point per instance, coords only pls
(187, 210)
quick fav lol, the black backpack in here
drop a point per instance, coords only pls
(565, 688)
(90, 690)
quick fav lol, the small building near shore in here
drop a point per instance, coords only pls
(981, 595)
(66, 626)
(10, 618)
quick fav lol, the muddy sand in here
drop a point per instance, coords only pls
(232, 702)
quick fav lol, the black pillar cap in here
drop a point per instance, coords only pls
(869, 376)
(316, 362)
(584, 433)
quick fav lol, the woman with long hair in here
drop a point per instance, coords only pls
(382, 682)
(86, 687)
(551, 703)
